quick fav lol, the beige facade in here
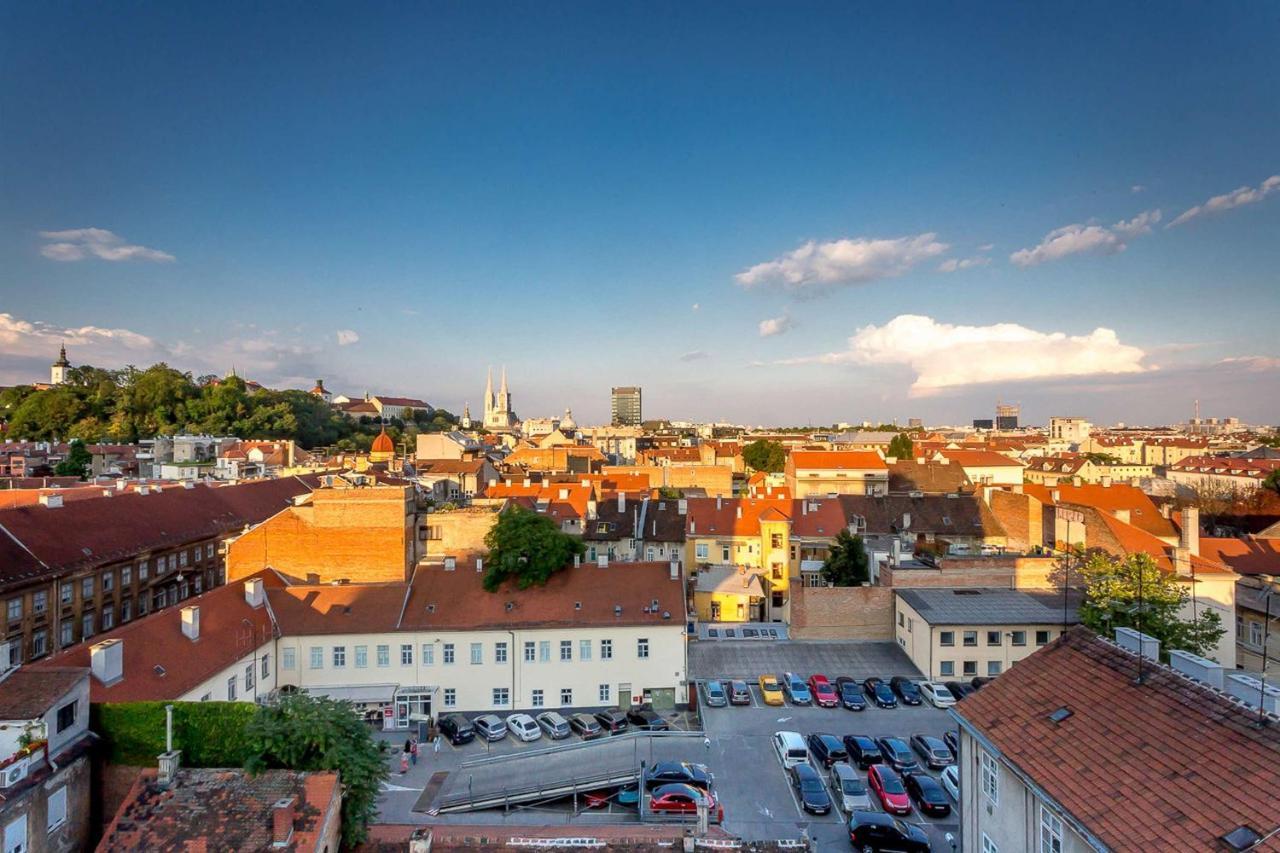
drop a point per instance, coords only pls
(964, 651)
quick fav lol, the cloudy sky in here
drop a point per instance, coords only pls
(770, 213)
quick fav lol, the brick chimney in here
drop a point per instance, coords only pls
(282, 815)
(1190, 538)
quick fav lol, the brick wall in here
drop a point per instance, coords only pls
(842, 613)
(458, 532)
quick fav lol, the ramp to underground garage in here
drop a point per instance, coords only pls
(499, 781)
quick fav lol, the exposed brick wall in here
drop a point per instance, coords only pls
(460, 531)
(843, 613)
(974, 572)
(717, 480)
(1021, 516)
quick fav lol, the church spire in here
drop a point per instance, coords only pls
(488, 391)
(504, 399)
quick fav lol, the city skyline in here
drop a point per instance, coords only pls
(806, 217)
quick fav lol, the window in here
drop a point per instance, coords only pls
(775, 540)
(86, 588)
(947, 667)
(173, 562)
(108, 618)
(384, 655)
(1255, 633)
(448, 653)
(126, 610)
(66, 634)
(38, 644)
(566, 650)
(902, 619)
(108, 581)
(288, 658)
(989, 846)
(126, 576)
(993, 638)
(40, 602)
(248, 678)
(143, 571)
(700, 551)
(450, 697)
(428, 654)
(362, 657)
(57, 809)
(1019, 638)
(65, 593)
(231, 689)
(317, 657)
(642, 648)
(529, 653)
(584, 650)
(406, 654)
(605, 694)
(1042, 638)
(566, 696)
(15, 609)
(724, 554)
(536, 699)
(946, 638)
(970, 668)
(993, 667)
(1050, 832)
(339, 656)
(182, 559)
(990, 776)
(86, 626)
(266, 664)
(66, 717)
(477, 654)
(499, 652)
(208, 551)
(501, 697)
(606, 650)
(544, 651)
(971, 638)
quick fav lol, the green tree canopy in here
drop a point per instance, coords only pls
(302, 732)
(1272, 481)
(764, 455)
(77, 462)
(847, 564)
(1114, 586)
(902, 447)
(527, 548)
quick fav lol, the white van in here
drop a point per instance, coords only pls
(791, 749)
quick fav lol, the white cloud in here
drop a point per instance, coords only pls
(776, 326)
(986, 247)
(849, 261)
(77, 244)
(1078, 239)
(696, 306)
(957, 264)
(346, 337)
(696, 355)
(1226, 201)
(1137, 188)
(1252, 363)
(943, 355)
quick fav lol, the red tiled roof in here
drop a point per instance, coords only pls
(401, 401)
(980, 459)
(838, 460)
(1169, 764)
(1253, 469)
(28, 693)
(1143, 513)
(1248, 556)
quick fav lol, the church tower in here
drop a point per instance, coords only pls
(58, 372)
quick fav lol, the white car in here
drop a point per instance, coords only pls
(951, 781)
(937, 694)
(791, 749)
(523, 727)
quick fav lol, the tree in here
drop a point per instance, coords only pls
(527, 548)
(767, 456)
(302, 732)
(902, 447)
(77, 462)
(847, 564)
(1102, 458)
(1272, 481)
(1114, 586)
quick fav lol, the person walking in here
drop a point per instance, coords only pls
(413, 751)
(404, 763)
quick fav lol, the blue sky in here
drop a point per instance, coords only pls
(555, 189)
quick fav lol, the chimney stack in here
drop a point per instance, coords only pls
(106, 661)
(1190, 538)
(1105, 481)
(1182, 561)
(51, 501)
(191, 622)
(282, 816)
(675, 570)
(622, 502)
(254, 595)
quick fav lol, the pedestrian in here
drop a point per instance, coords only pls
(413, 751)
(435, 744)
(404, 763)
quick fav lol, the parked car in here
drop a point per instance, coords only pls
(824, 695)
(950, 779)
(888, 788)
(863, 751)
(795, 688)
(880, 693)
(951, 738)
(457, 729)
(827, 749)
(586, 726)
(714, 691)
(739, 693)
(556, 726)
(980, 681)
(791, 748)
(683, 799)
(876, 831)
(647, 719)
(850, 790)
(927, 794)
(813, 794)
(771, 690)
(906, 689)
(850, 694)
(523, 727)
(490, 727)
(937, 694)
(679, 772)
(612, 721)
(933, 751)
(958, 689)
(897, 754)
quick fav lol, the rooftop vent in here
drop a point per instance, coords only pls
(1061, 714)
(159, 670)
(431, 608)
(617, 610)
(1241, 838)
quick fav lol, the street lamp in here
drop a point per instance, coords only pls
(1266, 636)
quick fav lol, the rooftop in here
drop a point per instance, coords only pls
(28, 693)
(987, 606)
(838, 460)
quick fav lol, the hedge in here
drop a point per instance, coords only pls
(210, 734)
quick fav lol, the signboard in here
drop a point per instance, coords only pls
(1070, 515)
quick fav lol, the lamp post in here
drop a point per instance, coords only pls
(1266, 637)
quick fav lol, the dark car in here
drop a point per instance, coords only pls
(878, 831)
(612, 721)
(739, 693)
(716, 697)
(979, 682)
(906, 689)
(457, 729)
(897, 754)
(850, 694)
(952, 739)
(647, 719)
(827, 748)
(880, 693)
(586, 726)
(808, 784)
(932, 751)
(679, 773)
(928, 795)
(863, 751)
(958, 689)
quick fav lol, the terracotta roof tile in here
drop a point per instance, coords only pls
(838, 460)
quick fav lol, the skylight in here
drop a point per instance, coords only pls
(1061, 714)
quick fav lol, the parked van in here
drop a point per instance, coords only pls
(791, 749)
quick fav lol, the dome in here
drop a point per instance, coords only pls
(383, 443)
(567, 422)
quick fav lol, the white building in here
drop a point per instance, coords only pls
(1074, 431)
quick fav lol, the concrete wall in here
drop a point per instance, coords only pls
(32, 804)
(845, 613)
(717, 480)
(457, 532)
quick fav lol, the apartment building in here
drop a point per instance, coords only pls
(985, 467)
(836, 472)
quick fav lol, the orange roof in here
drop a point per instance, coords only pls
(980, 458)
(742, 516)
(839, 460)
(1249, 556)
(1143, 513)
(383, 443)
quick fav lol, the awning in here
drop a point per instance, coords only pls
(365, 693)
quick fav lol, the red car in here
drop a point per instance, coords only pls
(683, 799)
(889, 789)
(824, 694)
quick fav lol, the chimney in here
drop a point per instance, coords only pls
(719, 502)
(1121, 514)
(1182, 561)
(51, 501)
(1165, 510)
(282, 813)
(603, 561)
(1190, 538)
(171, 758)
(1055, 495)
(191, 622)
(1077, 481)
(895, 552)
(739, 511)
(682, 506)
(253, 592)
(106, 661)
(479, 564)
(1105, 481)
(675, 570)
(622, 502)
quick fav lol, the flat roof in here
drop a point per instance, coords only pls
(989, 606)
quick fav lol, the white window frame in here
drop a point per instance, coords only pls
(57, 809)
(1051, 831)
(501, 697)
(989, 846)
(989, 776)
(288, 658)
(317, 657)
(477, 654)
(362, 657)
(642, 648)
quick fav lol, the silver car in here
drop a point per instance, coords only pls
(554, 725)
(523, 727)
(950, 778)
(849, 789)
